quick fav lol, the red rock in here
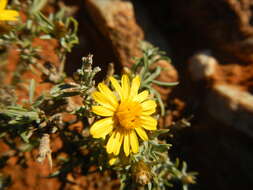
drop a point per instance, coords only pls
(116, 21)
(232, 106)
(226, 25)
(229, 97)
(203, 66)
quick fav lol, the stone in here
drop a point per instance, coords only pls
(228, 90)
(225, 25)
(116, 22)
(202, 66)
(232, 106)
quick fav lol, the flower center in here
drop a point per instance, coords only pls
(128, 114)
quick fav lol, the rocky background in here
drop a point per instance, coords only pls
(211, 47)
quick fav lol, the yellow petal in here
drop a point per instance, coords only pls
(148, 107)
(102, 127)
(110, 143)
(108, 93)
(117, 87)
(148, 122)
(112, 160)
(134, 142)
(9, 15)
(141, 133)
(141, 97)
(135, 86)
(126, 144)
(101, 99)
(3, 4)
(119, 139)
(125, 87)
(102, 111)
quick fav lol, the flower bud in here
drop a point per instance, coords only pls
(188, 179)
(126, 71)
(60, 29)
(141, 173)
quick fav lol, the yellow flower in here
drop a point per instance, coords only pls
(127, 112)
(10, 15)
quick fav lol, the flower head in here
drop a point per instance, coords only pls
(126, 113)
(10, 15)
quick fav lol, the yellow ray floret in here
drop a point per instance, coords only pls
(127, 114)
(7, 15)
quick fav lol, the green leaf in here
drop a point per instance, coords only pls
(55, 174)
(2, 134)
(37, 5)
(46, 25)
(64, 90)
(31, 91)
(155, 74)
(45, 37)
(160, 147)
(159, 99)
(156, 133)
(19, 115)
(149, 186)
(25, 136)
(185, 187)
(166, 84)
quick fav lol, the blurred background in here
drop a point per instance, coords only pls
(210, 44)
